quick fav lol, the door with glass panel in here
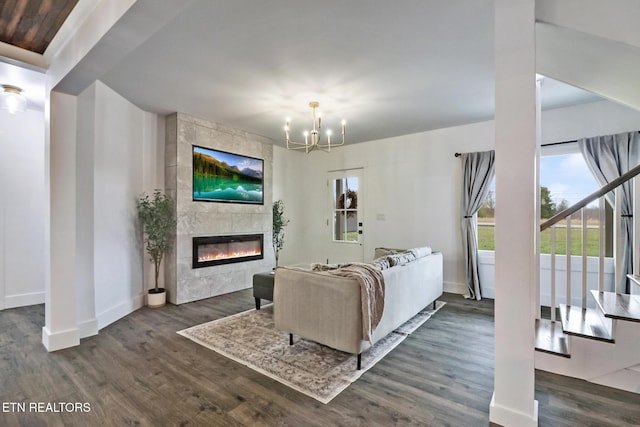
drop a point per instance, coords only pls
(345, 222)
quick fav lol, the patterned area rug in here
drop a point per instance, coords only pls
(251, 339)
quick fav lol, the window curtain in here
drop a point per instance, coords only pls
(609, 157)
(478, 170)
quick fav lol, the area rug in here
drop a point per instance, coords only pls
(320, 372)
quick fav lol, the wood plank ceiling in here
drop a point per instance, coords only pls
(32, 24)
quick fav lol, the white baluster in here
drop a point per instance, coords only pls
(553, 273)
(617, 238)
(584, 257)
(636, 226)
(568, 258)
(601, 241)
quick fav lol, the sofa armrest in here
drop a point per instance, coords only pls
(320, 307)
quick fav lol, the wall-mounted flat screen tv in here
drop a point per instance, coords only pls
(219, 176)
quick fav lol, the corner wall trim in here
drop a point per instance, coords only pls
(119, 311)
(88, 328)
(507, 417)
(59, 340)
(455, 288)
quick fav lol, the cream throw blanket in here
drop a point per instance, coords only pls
(371, 284)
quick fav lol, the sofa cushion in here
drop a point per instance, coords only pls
(421, 251)
(381, 263)
(401, 258)
(380, 252)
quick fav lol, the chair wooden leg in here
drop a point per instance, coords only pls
(359, 361)
(290, 339)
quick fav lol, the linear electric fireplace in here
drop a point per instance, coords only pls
(216, 250)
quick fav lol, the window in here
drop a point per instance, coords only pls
(345, 209)
(564, 180)
(486, 220)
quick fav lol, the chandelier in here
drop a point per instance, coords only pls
(313, 138)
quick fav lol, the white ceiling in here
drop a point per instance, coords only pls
(388, 68)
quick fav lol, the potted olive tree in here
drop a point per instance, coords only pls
(279, 223)
(156, 215)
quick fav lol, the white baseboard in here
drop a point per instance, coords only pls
(119, 311)
(624, 379)
(508, 417)
(59, 340)
(454, 288)
(88, 328)
(22, 300)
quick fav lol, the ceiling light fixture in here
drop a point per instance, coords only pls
(12, 99)
(313, 138)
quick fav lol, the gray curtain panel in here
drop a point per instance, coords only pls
(478, 170)
(609, 157)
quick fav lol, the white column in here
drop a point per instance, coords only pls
(60, 330)
(516, 143)
(4, 139)
(85, 214)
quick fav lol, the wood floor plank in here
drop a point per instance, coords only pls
(138, 371)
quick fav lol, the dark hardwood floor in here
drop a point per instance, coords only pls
(138, 371)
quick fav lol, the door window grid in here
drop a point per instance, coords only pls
(345, 209)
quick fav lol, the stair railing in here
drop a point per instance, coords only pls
(566, 216)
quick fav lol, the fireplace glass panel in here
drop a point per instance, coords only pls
(214, 250)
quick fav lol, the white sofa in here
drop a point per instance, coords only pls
(327, 309)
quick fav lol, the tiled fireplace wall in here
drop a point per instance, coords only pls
(183, 283)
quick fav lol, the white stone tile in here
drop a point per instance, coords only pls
(185, 153)
(243, 222)
(193, 290)
(170, 177)
(184, 245)
(213, 224)
(230, 282)
(186, 133)
(186, 223)
(170, 143)
(184, 178)
(184, 269)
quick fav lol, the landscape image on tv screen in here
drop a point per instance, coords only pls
(219, 176)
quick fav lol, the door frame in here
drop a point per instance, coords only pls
(343, 250)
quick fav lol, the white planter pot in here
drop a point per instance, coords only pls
(155, 300)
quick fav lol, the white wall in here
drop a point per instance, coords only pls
(21, 209)
(414, 181)
(118, 159)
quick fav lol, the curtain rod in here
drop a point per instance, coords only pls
(543, 145)
(558, 143)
